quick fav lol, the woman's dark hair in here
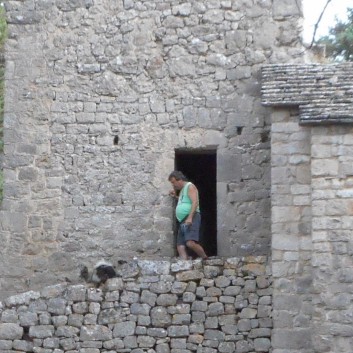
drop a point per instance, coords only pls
(177, 175)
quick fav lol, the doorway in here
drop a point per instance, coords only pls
(200, 167)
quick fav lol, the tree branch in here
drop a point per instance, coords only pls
(317, 23)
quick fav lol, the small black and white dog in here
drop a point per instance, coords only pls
(102, 271)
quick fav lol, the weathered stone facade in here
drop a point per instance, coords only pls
(100, 94)
(157, 306)
(312, 207)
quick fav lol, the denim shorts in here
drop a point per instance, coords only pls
(189, 232)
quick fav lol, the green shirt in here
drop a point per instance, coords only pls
(184, 203)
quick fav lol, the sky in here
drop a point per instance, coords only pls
(312, 10)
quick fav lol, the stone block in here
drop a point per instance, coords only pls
(262, 344)
(28, 174)
(148, 297)
(199, 306)
(59, 320)
(145, 341)
(226, 347)
(162, 348)
(10, 331)
(23, 345)
(181, 319)
(248, 313)
(67, 331)
(52, 342)
(242, 346)
(232, 262)
(95, 294)
(285, 214)
(288, 302)
(230, 329)
(324, 167)
(140, 309)
(211, 323)
(215, 309)
(181, 266)
(214, 335)
(5, 346)
(228, 167)
(80, 308)
(76, 293)
(260, 332)
(189, 297)
(13, 221)
(123, 329)
(167, 299)
(160, 287)
(197, 328)
(154, 267)
(118, 344)
(160, 317)
(292, 339)
(214, 292)
(114, 284)
(41, 331)
(129, 297)
(178, 343)
(85, 350)
(178, 331)
(183, 308)
(189, 275)
(285, 8)
(109, 316)
(222, 282)
(345, 275)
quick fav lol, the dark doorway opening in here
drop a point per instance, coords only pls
(200, 167)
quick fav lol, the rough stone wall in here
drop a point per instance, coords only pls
(99, 94)
(312, 209)
(332, 260)
(156, 307)
(291, 233)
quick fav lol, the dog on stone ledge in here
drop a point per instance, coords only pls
(102, 271)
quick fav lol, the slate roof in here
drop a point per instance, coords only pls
(324, 93)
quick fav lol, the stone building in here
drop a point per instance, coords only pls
(312, 205)
(104, 99)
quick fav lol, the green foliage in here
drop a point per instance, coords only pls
(3, 27)
(339, 42)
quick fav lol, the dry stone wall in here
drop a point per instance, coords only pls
(155, 307)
